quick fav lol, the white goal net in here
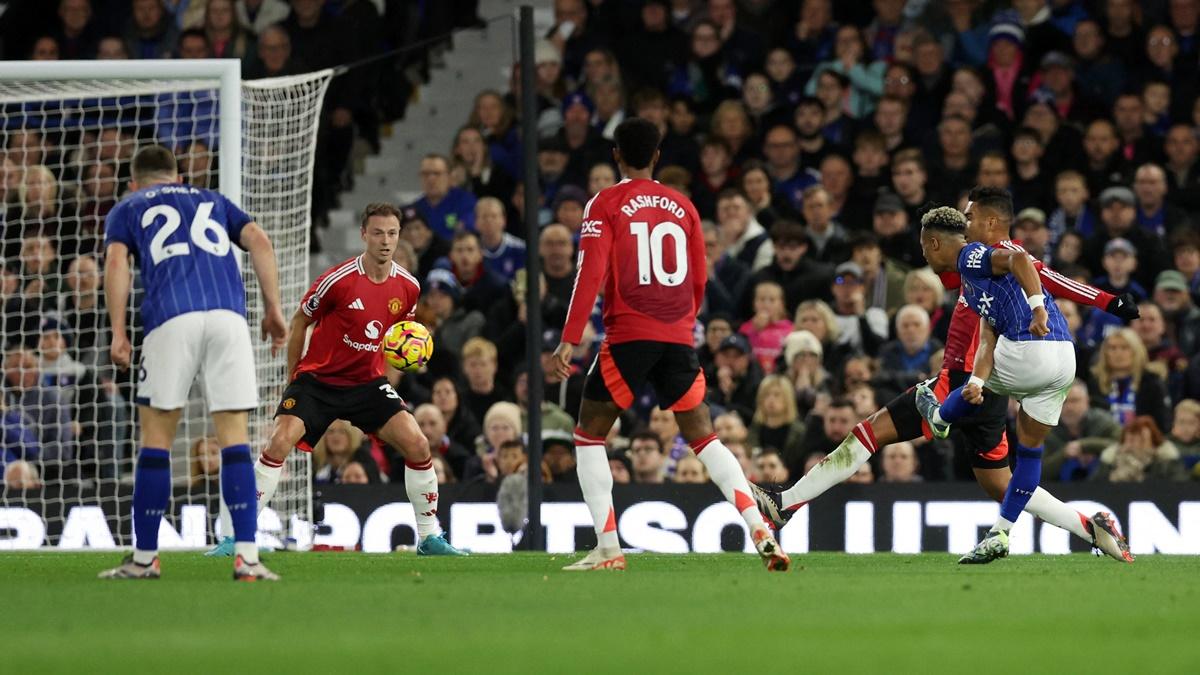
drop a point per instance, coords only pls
(68, 132)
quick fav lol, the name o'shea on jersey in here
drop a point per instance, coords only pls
(182, 237)
(1000, 300)
(642, 240)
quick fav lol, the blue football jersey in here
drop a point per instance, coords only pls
(999, 299)
(183, 238)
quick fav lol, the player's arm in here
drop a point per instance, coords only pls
(262, 256)
(1017, 263)
(1123, 306)
(295, 340)
(117, 280)
(592, 265)
(985, 360)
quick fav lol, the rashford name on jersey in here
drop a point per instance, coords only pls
(352, 314)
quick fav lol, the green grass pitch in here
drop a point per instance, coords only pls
(356, 613)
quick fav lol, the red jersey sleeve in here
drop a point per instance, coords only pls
(595, 244)
(321, 297)
(1061, 286)
(951, 280)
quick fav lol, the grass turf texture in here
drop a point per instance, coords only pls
(346, 612)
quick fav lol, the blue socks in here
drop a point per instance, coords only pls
(955, 407)
(1026, 474)
(237, 488)
(151, 492)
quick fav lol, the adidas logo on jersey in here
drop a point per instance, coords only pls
(357, 304)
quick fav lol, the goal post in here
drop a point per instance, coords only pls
(69, 129)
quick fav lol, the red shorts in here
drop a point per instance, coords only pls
(621, 370)
(983, 432)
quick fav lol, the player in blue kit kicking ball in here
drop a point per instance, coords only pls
(194, 314)
(1025, 351)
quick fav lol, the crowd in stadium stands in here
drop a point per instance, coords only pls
(809, 134)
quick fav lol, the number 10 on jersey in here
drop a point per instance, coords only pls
(650, 246)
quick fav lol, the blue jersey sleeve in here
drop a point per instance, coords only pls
(975, 261)
(117, 227)
(235, 220)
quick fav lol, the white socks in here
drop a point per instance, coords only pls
(1052, 510)
(595, 480)
(725, 471)
(420, 482)
(837, 466)
(267, 472)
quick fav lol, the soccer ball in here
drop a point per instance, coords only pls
(407, 346)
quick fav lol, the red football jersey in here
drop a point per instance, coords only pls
(962, 337)
(643, 241)
(352, 314)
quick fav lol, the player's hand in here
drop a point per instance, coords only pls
(121, 351)
(562, 360)
(275, 326)
(1040, 326)
(973, 394)
(1124, 307)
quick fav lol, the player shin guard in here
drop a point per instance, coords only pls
(837, 466)
(955, 407)
(420, 482)
(267, 471)
(151, 491)
(725, 471)
(238, 493)
(1026, 474)
(595, 480)
(1052, 510)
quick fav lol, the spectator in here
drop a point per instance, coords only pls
(909, 179)
(770, 467)
(433, 426)
(484, 177)
(443, 207)
(1082, 433)
(863, 328)
(600, 176)
(494, 118)
(76, 34)
(715, 175)
(84, 312)
(256, 15)
(890, 223)
(1182, 150)
(828, 239)
(503, 253)
(789, 178)
(744, 238)
(226, 37)
(51, 416)
(150, 33)
(1122, 385)
(1030, 230)
(706, 76)
(1142, 454)
(663, 424)
(340, 449)
(802, 352)
(863, 71)
(461, 426)
(1120, 262)
(1186, 247)
(690, 470)
(21, 475)
(726, 275)
(908, 356)
(558, 448)
(648, 49)
(452, 325)
(800, 276)
(621, 467)
(730, 428)
(826, 431)
(731, 125)
(737, 376)
(501, 424)
(584, 144)
(1185, 431)
(900, 464)
(883, 279)
(649, 459)
(558, 262)
(205, 464)
(777, 423)
(479, 364)
(568, 208)
(1154, 212)
(768, 326)
(765, 206)
(481, 287)
(1117, 220)
(1072, 213)
(1180, 313)
(809, 122)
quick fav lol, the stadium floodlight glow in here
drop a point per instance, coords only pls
(74, 125)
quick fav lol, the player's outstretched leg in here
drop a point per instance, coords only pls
(723, 468)
(595, 481)
(420, 482)
(862, 442)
